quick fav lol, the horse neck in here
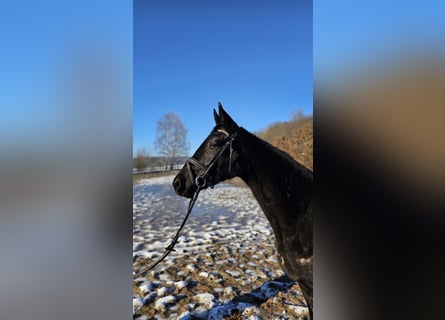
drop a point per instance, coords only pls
(282, 187)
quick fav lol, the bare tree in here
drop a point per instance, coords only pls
(171, 138)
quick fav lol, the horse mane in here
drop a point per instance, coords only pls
(276, 153)
(281, 185)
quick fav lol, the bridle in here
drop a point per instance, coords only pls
(201, 180)
(200, 183)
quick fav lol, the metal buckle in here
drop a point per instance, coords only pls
(200, 182)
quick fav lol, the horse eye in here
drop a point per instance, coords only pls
(213, 146)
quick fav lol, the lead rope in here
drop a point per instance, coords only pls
(172, 244)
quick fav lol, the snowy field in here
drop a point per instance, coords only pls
(224, 266)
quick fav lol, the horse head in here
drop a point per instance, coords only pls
(216, 160)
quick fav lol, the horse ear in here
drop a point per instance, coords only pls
(216, 116)
(226, 120)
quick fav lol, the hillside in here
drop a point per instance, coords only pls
(294, 136)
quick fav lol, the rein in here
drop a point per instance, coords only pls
(200, 182)
(172, 244)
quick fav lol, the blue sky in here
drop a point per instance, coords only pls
(253, 56)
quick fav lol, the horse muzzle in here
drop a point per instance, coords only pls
(182, 186)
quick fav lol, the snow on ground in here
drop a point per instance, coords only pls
(224, 263)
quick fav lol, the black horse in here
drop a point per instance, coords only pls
(282, 187)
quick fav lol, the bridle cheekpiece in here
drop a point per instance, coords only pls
(201, 180)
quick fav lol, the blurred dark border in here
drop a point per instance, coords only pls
(379, 155)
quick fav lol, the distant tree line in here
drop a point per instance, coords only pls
(143, 162)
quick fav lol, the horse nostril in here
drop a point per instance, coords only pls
(177, 183)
